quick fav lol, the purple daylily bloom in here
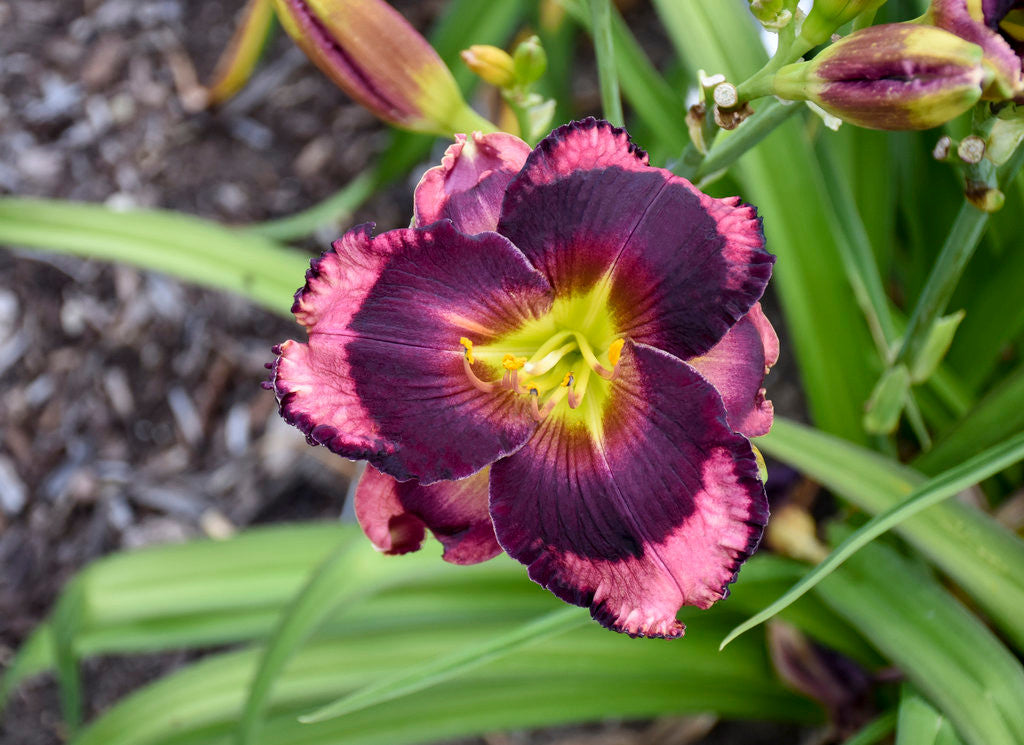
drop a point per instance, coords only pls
(997, 26)
(566, 365)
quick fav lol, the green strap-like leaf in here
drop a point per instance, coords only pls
(920, 724)
(344, 577)
(451, 666)
(874, 730)
(185, 247)
(948, 654)
(942, 487)
(968, 545)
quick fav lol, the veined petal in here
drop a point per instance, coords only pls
(675, 267)
(736, 367)
(468, 186)
(382, 377)
(393, 514)
(655, 510)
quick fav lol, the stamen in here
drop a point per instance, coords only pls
(615, 351)
(534, 408)
(477, 383)
(513, 382)
(511, 362)
(468, 346)
(579, 389)
(590, 357)
(553, 400)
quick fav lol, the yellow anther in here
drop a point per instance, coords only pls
(511, 362)
(615, 351)
(468, 346)
(568, 380)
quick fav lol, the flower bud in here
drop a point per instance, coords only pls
(828, 15)
(772, 14)
(492, 65)
(369, 50)
(896, 76)
(531, 61)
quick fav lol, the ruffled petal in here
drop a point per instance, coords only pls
(468, 186)
(737, 366)
(382, 377)
(675, 267)
(656, 511)
(393, 514)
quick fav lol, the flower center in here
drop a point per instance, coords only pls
(559, 369)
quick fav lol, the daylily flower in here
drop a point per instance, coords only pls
(998, 27)
(570, 377)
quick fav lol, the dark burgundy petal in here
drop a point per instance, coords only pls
(468, 186)
(678, 267)
(657, 511)
(393, 514)
(382, 376)
(737, 365)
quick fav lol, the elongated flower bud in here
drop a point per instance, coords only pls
(896, 76)
(491, 64)
(531, 60)
(828, 15)
(368, 49)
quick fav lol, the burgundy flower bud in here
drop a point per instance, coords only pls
(895, 76)
(369, 50)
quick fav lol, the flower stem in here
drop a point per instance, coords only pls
(604, 48)
(958, 249)
(960, 245)
(730, 146)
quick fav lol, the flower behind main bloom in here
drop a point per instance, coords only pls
(565, 365)
(997, 26)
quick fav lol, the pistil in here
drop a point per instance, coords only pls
(590, 357)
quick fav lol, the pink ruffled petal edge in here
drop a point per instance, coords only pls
(656, 512)
(383, 370)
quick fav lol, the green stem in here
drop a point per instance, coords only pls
(728, 147)
(604, 48)
(960, 245)
(760, 83)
